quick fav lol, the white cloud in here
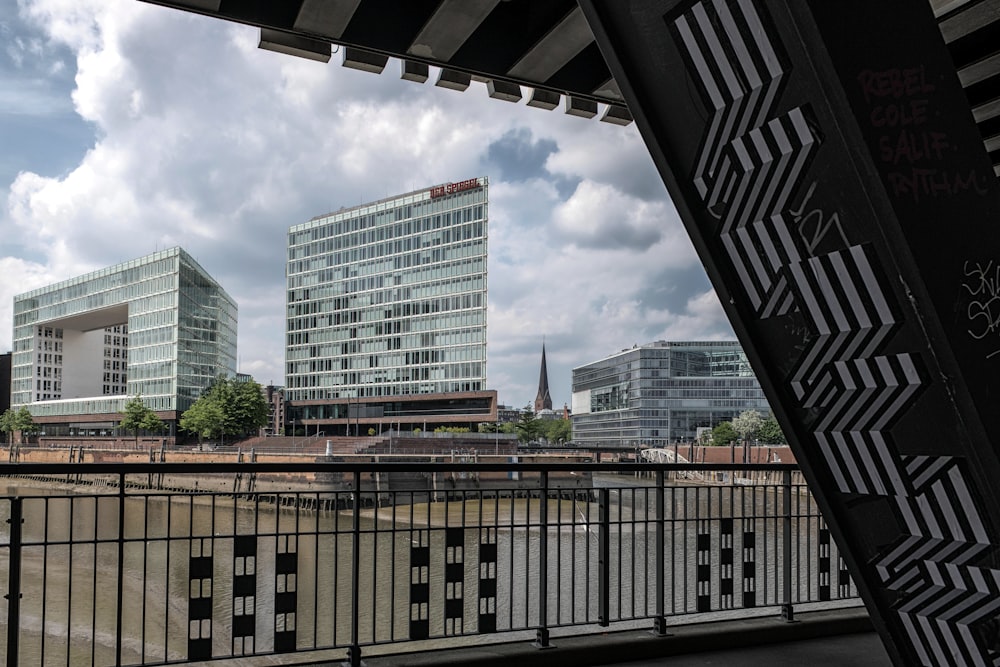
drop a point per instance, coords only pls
(19, 276)
(205, 141)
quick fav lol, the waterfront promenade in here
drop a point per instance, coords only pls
(105, 567)
(817, 639)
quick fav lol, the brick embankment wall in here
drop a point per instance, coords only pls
(726, 454)
(312, 482)
(222, 483)
(308, 482)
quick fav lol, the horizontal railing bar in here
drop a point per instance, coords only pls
(510, 565)
(370, 466)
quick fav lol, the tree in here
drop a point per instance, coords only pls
(205, 418)
(240, 408)
(137, 417)
(243, 405)
(246, 410)
(747, 424)
(20, 421)
(556, 431)
(17, 420)
(724, 434)
(528, 427)
(7, 424)
(771, 433)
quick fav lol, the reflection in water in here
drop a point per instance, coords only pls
(265, 576)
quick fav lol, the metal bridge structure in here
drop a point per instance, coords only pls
(835, 165)
(665, 455)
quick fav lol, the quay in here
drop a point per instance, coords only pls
(378, 450)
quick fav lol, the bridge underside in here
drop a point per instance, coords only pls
(831, 164)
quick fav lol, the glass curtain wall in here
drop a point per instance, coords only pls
(661, 393)
(179, 323)
(389, 298)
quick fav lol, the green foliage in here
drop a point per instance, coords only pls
(724, 434)
(770, 432)
(556, 431)
(492, 427)
(7, 424)
(227, 408)
(451, 429)
(528, 427)
(17, 420)
(247, 410)
(205, 418)
(24, 421)
(137, 417)
(747, 424)
(371, 431)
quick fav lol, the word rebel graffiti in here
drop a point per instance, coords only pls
(915, 150)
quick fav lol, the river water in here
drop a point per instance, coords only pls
(423, 569)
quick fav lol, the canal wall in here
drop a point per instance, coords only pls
(420, 484)
(423, 484)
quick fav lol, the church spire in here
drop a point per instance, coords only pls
(543, 401)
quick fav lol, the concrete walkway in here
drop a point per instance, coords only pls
(857, 650)
(818, 639)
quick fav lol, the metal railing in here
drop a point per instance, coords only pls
(390, 557)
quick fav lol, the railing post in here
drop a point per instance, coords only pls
(660, 621)
(121, 569)
(542, 634)
(354, 650)
(14, 581)
(787, 612)
(604, 557)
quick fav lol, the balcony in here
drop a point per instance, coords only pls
(166, 563)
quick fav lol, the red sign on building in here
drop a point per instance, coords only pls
(452, 188)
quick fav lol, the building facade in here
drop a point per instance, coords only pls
(661, 393)
(159, 327)
(275, 398)
(386, 314)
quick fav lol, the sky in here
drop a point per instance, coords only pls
(127, 128)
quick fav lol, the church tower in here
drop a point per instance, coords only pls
(543, 401)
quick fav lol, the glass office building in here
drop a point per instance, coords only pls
(662, 393)
(386, 312)
(158, 326)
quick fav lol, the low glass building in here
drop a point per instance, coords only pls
(158, 326)
(386, 313)
(662, 393)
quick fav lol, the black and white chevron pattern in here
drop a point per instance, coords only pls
(749, 166)
(741, 75)
(840, 294)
